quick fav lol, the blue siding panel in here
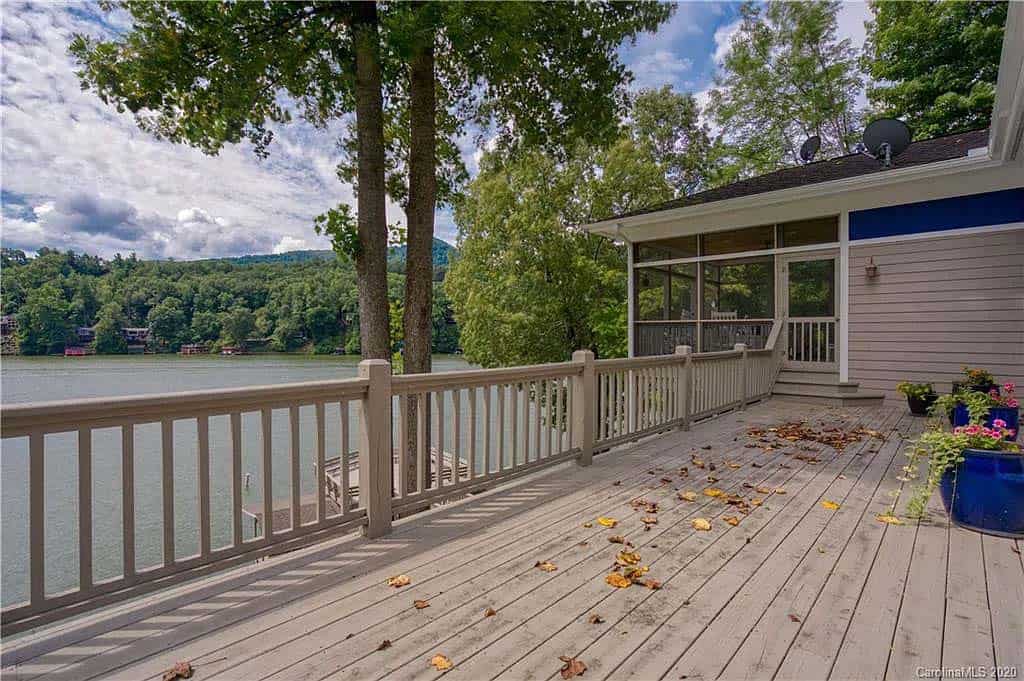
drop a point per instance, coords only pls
(975, 210)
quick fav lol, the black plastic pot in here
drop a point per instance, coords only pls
(919, 406)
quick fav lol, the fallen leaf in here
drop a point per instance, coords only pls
(399, 581)
(617, 539)
(706, 447)
(572, 667)
(688, 496)
(793, 618)
(588, 524)
(419, 605)
(888, 519)
(756, 502)
(702, 524)
(546, 566)
(384, 645)
(652, 584)
(634, 574)
(627, 558)
(712, 479)
(732, 520)
(830, 505)
(649, 520)
(607, 522)
(667, 480)
(617, 580)
(779, 490)
(763, 490)
(595, 619)
(713, 492)
(490, 612)
(617, 483)
(756, 464)
(730, 464)
(180, 670)
(441, 663)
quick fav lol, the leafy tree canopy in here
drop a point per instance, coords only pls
(934, 63)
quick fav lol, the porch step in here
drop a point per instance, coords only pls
(822, 387)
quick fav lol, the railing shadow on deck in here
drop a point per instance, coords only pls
(493, 426)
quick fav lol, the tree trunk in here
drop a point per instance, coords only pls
(371, 261)
(419, 266)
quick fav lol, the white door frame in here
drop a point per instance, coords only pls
(782, 262)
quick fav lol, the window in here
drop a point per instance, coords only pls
(812, 288)
(738, 240)
(808, 232)
(666, 293)
(666, 249)
(739, 289)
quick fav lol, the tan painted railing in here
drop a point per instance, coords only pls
(813, 339)
(420, 439)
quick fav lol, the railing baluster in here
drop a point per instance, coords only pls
(403, 446)
(456, 435)
(548, 414)
(236, 478)
(268, 472)
(487, 430)
(203, 434)
(514, 425)
(422, 443)
(500, 389)
(296, 503)
(167, 473)
(346, 463)
(536, 420)
(321, 461)
(559, 414)
(440, 439)
(473, 396)
(84, 509)
(128, 499)
(37, 517)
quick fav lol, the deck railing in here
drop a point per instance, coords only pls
(812, 339)
(420, 439)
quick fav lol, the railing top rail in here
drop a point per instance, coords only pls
(827, 318)
(773, 335)
(617, 363)
(58, 416)
(721, 354)
(446, 380)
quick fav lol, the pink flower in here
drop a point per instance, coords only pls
(1009, 387)
(973, 429)
(999, 423)
(959, 430)
(1013, 403)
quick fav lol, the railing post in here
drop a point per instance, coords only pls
(683, 398)
(584, 407)
(687, 386)
(375, 468)
(742, 348)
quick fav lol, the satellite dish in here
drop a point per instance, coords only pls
(886, 139)
(809, 148)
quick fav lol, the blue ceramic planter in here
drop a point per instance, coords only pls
(1009, 414)
(986, 492)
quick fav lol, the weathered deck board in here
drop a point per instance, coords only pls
(867, 599)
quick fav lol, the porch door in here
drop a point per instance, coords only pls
(807, 298)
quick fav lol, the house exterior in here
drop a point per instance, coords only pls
(877, 274)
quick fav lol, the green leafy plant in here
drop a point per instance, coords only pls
(978, 377)
(978, 404)
(916, 390)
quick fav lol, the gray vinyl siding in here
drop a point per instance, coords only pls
(936, 305)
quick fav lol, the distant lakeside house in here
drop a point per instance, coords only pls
(880, 274)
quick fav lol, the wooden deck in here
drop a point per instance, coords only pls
(794, 591)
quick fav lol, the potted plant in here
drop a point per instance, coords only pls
(979, 472)
(978, 380)
(920, 396)
(967, 407)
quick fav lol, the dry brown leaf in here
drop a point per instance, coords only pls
(588, 524)
(732, 520)
(384, 645)
(546, 566)
(441, 663)
(649, 520)
(634, 574)
(763, 490)
(702, 524)
(830, 505)
(627, 558)
(652, 584)
(617, 539)
(712, 479)
(572, 667)
(607, 522)
(779, 490)
(888, 519)
(731, 464)
(595, 619)
(756, 502)
(180, 670)
(490, 612)
(399, 581)
(793, 618)
(617, 580)
(419, 604)
(699, 463)
(713, 492)
(688, 496)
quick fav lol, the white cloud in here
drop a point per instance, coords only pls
(290, 243)
(659, 68)
(850, 22)
(723, 40)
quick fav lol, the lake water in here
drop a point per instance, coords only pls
(32, 379)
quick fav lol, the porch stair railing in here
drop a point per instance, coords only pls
(495, 425)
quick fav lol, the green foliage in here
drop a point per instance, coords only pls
(44, 321)
(236, 325)
(108, 327)
(205, 327)
(168, 323)
(787, 76)
(978, 377)
(528, 286)
(915, 390)
(934, 63)
(977, 403)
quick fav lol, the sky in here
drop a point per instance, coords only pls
(76, 174)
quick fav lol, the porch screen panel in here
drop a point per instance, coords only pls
(738, 240)
(667, 293)
(739, 289)
(666, 249)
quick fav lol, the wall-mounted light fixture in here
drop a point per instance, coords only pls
(871, 269)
